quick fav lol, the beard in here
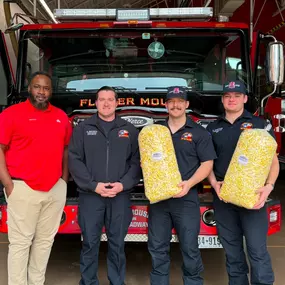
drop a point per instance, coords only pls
(36, 104)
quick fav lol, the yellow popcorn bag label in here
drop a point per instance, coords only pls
(159, 165)
(249, 167)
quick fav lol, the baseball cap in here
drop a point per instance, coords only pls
(176, 92)
(234, 86)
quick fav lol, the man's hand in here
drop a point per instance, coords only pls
(263, 195)
(217, 187)
(117, 187)
(113, 189)
(185, 189)
(102, 190)
(9, 189)
(109, 189)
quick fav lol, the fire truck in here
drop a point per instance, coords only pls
(141, 52)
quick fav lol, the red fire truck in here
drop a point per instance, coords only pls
(140, 53)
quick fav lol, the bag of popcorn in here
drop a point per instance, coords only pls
(249, 168)
(159, 165)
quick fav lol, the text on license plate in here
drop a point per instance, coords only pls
(209, 242)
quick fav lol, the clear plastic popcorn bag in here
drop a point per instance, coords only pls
(159, 165)
(249, 168)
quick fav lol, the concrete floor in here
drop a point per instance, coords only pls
(63, 267)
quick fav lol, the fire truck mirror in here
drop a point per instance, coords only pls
(275, 62)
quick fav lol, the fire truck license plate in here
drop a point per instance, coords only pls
(209, 242)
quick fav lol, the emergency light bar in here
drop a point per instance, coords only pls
(134, 14)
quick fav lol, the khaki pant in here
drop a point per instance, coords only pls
(33, 221)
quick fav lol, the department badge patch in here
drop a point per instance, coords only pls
(123, 134)
(246, 126)
(186, 137)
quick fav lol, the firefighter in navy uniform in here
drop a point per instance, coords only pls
(195, 154)
(104, 162)
(234, 222)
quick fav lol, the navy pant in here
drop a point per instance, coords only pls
(116, 214)
(184, 215)
(233, 223)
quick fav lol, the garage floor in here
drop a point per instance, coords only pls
(63, 267)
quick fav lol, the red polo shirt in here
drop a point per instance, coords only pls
(36, 141)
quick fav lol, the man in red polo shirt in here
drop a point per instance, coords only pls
(33, 170)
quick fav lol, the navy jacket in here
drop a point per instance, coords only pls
(94, 158)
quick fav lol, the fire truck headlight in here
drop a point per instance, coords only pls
(208, 218)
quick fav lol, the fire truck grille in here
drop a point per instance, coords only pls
(138, 238)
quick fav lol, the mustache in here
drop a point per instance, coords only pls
(176, 108)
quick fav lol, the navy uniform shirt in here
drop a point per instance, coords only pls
(225, 137)
(193, 145)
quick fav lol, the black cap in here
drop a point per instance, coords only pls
(234, 86)
(176, 92)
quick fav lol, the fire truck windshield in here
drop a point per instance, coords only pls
(142, 60)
